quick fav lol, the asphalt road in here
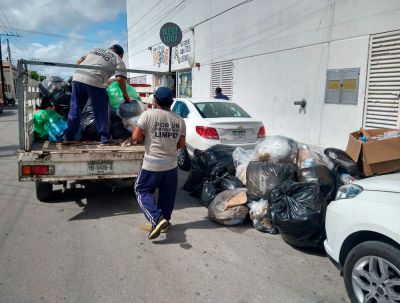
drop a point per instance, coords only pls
(87, 247)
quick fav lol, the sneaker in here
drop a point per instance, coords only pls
(156, 230)
(148, 227)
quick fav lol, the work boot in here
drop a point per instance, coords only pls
(156, 230)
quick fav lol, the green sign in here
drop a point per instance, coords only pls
(171, 34)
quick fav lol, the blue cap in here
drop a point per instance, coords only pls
(164, 96)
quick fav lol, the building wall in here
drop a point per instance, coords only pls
(281, 50)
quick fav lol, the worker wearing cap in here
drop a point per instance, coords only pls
(163, 133)
(89, 83)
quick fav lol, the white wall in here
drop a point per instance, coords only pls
(341, 119)
(278, 80)
(281, 50)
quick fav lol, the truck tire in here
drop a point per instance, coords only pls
(44, 191)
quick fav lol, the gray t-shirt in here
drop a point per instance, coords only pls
(99, 57)
(162, 130)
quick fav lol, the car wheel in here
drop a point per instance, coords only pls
(1, 109)
(44, 191)
(372, 273)
(183, 159)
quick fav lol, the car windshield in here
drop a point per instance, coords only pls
(220, 110)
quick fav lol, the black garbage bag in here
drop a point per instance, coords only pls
(129, 109)
(208, 193)
(117, 129)
(343, 163)
(209, 165)
(211, 188)
(61, 101)
(263, 176)
(229, 182)
(196, 176)
(323, 176)
(88, 125)
(49, 85)
(299, 213)
(217, 160)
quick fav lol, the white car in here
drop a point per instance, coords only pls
(363, 238)
(214, 121)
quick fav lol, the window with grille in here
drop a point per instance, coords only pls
(222, 76)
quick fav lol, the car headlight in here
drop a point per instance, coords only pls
(348, 191)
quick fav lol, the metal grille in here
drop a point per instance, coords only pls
(222, 76)
(383, 85)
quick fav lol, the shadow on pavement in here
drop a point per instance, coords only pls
(8, 112)
(9, 150)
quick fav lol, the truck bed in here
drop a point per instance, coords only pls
(79, 147)
(82, 161)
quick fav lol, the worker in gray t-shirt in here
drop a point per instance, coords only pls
(163, 133)
(91, 83)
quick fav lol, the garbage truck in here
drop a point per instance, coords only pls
(54, 163)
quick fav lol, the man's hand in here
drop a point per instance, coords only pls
(122, 84)
(138, 134)
(181, 143)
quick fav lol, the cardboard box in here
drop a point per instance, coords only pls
(375, 156)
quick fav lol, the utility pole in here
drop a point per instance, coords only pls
(11, 71)
(1, 65)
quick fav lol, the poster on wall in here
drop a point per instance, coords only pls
(181, 54)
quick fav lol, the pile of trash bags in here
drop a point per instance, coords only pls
(56, 93)
(123, 121)
(48, 125)
(287, 186)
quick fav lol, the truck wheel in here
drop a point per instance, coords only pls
(44, 191)
(183, 159)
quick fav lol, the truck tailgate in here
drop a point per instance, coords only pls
(81, 161)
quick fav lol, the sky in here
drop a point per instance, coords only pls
(59, 30)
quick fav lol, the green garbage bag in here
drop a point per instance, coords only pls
(116, 97)
(47, 124)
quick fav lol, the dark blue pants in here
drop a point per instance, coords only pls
(101, 107)
(147, 182)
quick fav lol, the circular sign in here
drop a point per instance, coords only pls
(171, 34)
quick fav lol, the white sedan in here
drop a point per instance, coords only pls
(363, 238)
(215, 121)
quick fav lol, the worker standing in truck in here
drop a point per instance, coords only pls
(89, 83)
(163, 133)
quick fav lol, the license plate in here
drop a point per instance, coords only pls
(239, 133)
(100, 168)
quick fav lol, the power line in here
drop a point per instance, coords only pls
(155, 27)
(53, 35)
(22, 43)
(148, 28)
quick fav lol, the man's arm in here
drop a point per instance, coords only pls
(81, 59)
(138, 134)
(181, 143)
(122, 84)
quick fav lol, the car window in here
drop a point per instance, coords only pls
(181, 109)
(220, 110)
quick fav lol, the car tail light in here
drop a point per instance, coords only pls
(30, 170)
(261, 132)
(207, 132)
